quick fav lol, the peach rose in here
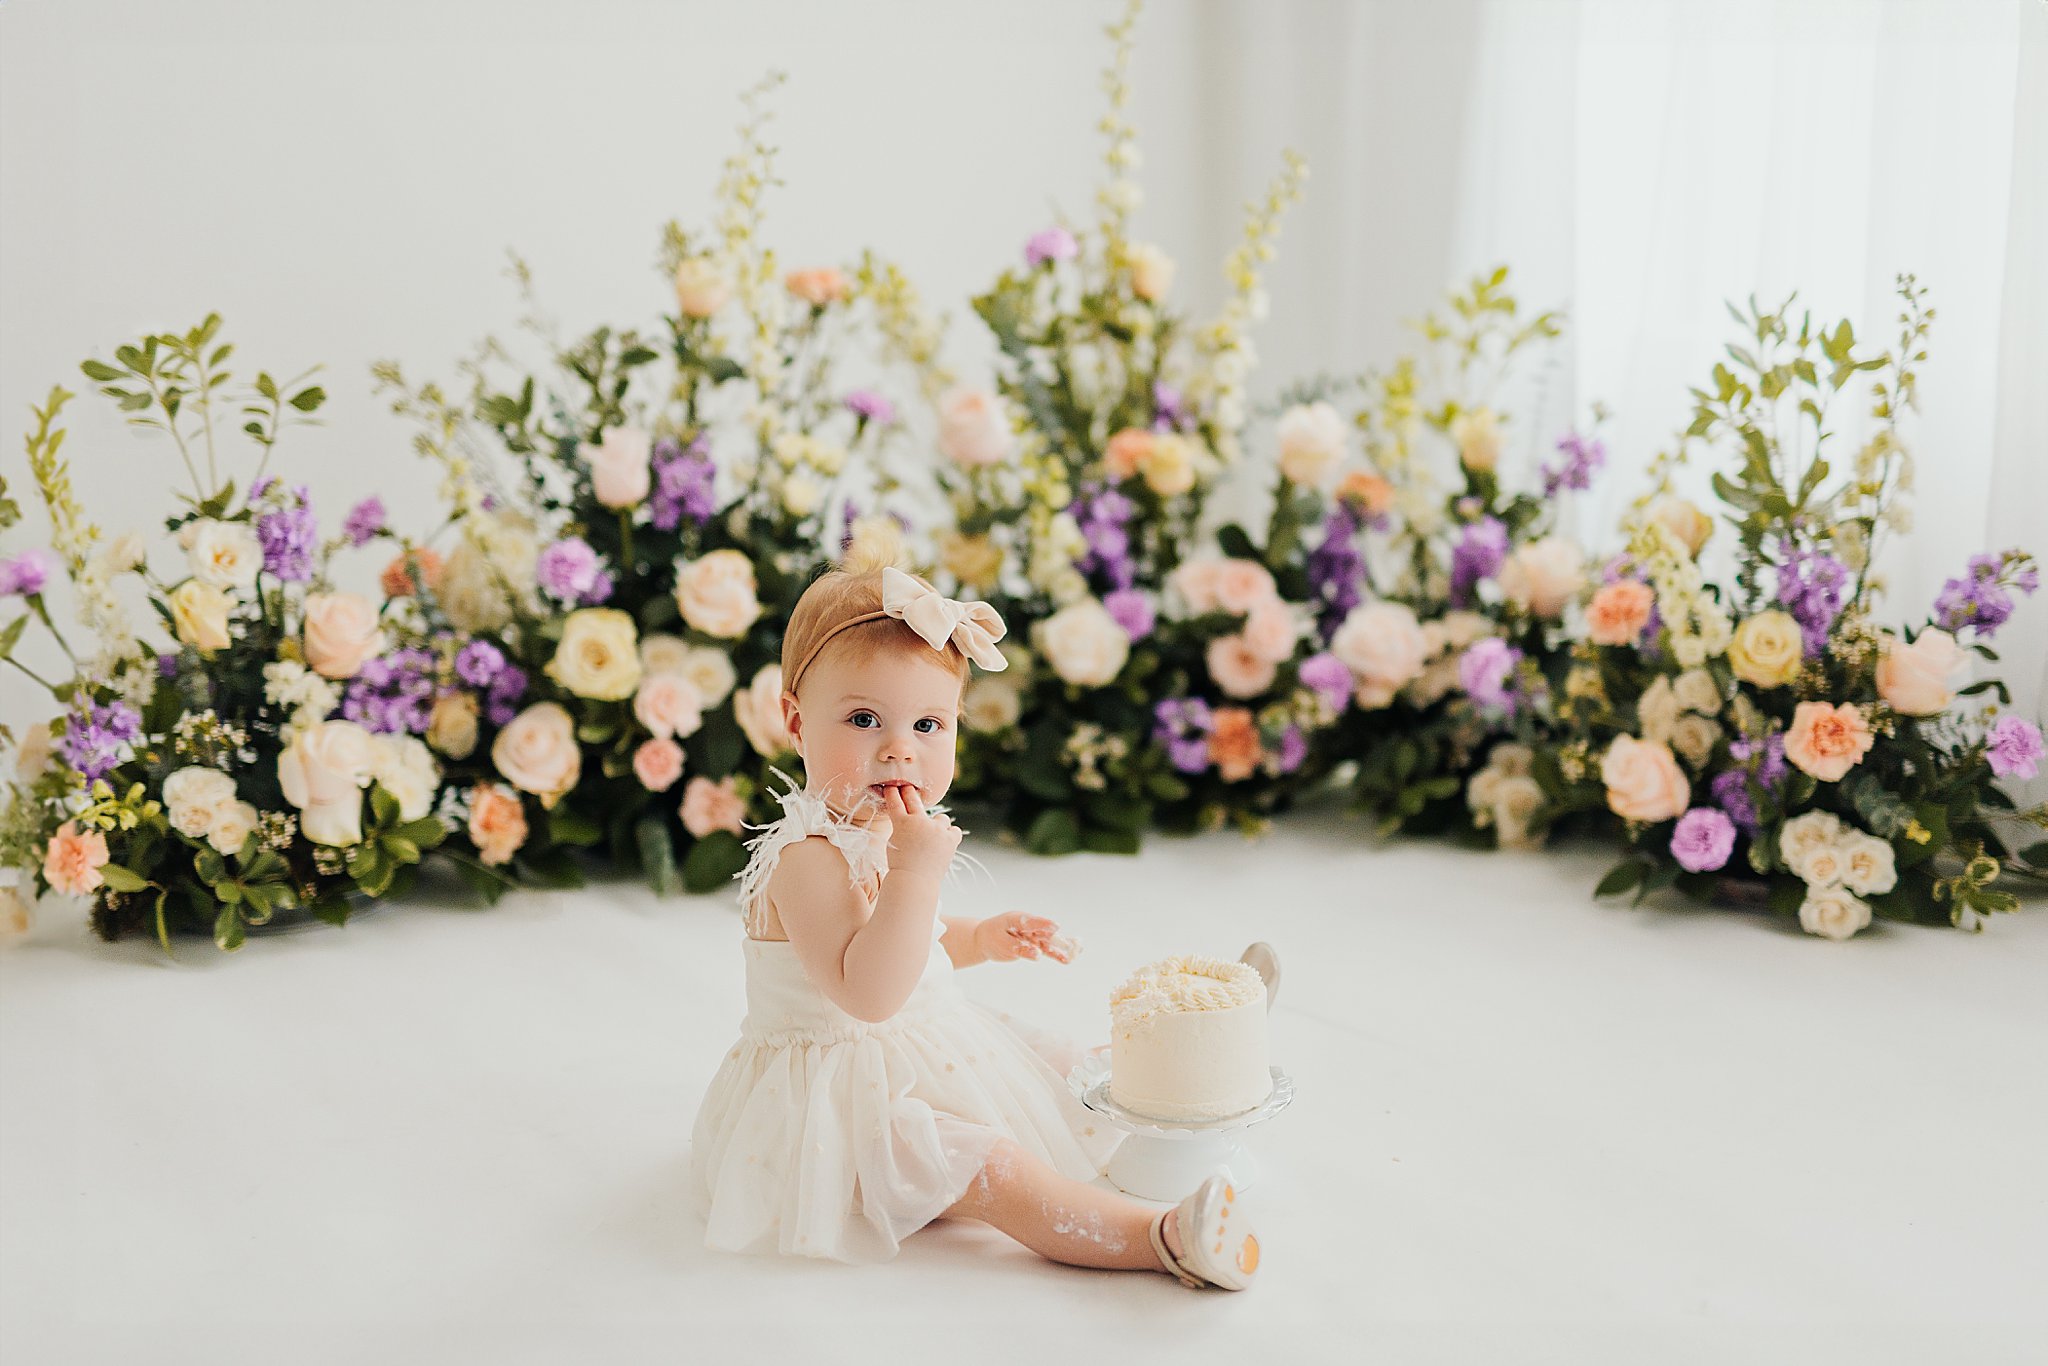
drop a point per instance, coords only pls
(1234, 744)
(1543, 576)
(621, 466)
(1367, 491)
(537, 752)
(1382, 644)
(668, 705)
(1644, 781)
(758, 709)
(1683, 520)
(72, 863)
(1311, 443)
(1242, 585)
(709, 806)
(657, 764)
(1270, 630)
(199, 613)
(1826, 740)
(1127, 453)
(1918, 678)
(410, 569)
(817, 286)
(1197, 582)
(716, 593)
(497, 822)
(1169, 467)
(1084, 644)
(701, 290)
(1619, 612)
(322, 772)
(1239, 669)
(341, 632)
(973, 428)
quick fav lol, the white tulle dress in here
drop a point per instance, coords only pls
(823, 1135)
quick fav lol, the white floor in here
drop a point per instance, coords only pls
(1528, 1128)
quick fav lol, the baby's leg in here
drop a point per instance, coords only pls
(1057, 1217)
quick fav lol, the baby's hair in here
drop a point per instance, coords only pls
(840, 614)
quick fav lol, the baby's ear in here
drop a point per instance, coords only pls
(792, 719)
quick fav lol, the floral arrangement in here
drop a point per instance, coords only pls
(204, 782)
(1771, 733)
(615, 610)
(1077, 491)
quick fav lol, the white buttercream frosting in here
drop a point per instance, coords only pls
(1188, 1040)
(1187, 982)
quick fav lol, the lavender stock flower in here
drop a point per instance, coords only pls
(683, 479)
(1050, 244)
(1583, 459)
(1336, 571)
(94, 734)
(289, 536)
(364, 521)
(869, 406)
(1486, 672)
(1131, 610)
(1810, 584)
(1481, 550)
(1183, 725)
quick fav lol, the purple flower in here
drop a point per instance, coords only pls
(1810, 584)
(1583, 459)
(870, 406)
(1336, 571)
(2013, 747)
(1183, 725)
(1103, 514)
(1167, 412)
(1480, 551)
(1293, 748)
(1486, 672)
(25, 574)
(502, 702)
(289, 537)
(93, 736)
(167, 664)
(1131, 610)
(571, 573)
(1329, 676)
(479, 663)
(1731, 792)
(364, 521)
(393, 692)
(1703, 840)
(682, 485)
(1051, 244)
(1979, 598)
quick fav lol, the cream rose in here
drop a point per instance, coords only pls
(621, 467)
(1919, 678)
(663, 654)
(599, 655)
(758, 709)
(1832, 913)
(701, 289)
(1697, 691)
(231, 827)
(992, 704)
(1543, 576)
(973, 429)
(405, 768)
(1382, 644)
(341, 632)
(1311, 443)
(1694, 738)
(222, 554)
(1657, 710)
(1644, 781)
(1169, 468)
(1083, 644)
(194, 797)
(716, 593)
(1805, 836)
(537, 752)
(451, 728)
(1767, 649)
(322, 772)
(1515, 804)
(1151, 271)
(1477, 434)
(1683, 520)
(199, 613)
(668, 706)
(1868, 866)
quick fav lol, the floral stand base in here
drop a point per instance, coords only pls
(1161, 1160)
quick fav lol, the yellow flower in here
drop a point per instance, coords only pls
(1767, 650)
(599, 656)
(200, 612)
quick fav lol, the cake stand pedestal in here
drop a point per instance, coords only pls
(1164, 1160)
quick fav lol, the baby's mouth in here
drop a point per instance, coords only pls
(883, 788)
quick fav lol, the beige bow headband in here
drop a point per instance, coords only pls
(972, 626)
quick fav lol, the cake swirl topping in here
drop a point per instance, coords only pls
(1184, 983)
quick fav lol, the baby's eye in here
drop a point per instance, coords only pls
(929, 725)
(864, 720)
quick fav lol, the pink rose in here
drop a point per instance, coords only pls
(709, 806)
(322, 772)
(1197, 582)
(1826, 740)
(341, 632)
(1382, 644)
(1237, 668)
(1242, 585)
(817, 286)
(1918, 679)
(537, 752)
(657, 764)
(621, 468)
(1644, 781)
(758, 709)
(973, 429)
(73, 861)
(1270, 630)
(668, 705)
(497, 823)
(1543, 576)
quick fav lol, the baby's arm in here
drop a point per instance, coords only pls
(865, 964)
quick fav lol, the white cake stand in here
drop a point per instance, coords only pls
(1164, 1160)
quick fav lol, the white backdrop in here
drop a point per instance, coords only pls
(342, 183)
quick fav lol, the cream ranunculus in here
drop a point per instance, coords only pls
(621, 467)
(451, 728)
(322, 772)
(1311, 443)
(1918, 679)
(1869, 867)
(973, 429)
(1694, 738)
(222, 554)
(1657, 710)
(1804, 837)
(758, 709)
(1832, 913)
(1644, 781)
(342, 631)
(716, 593)
(1478, 436)
(194, 797)
(663, 654)
(599, 655)
(199, 612)
(1683, 520)
(1543, 576)
(1382, 644)
(231, 827)
(1083, 644)
(537, 752)
(405, 767)
(701, 288)
(1767, 649)
(1697, 691)
(992, 704)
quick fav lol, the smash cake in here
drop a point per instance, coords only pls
(1187, 1040)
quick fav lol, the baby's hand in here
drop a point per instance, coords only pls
(918, 839)
(1005, 938)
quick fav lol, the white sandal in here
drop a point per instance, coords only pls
(1219, 1249)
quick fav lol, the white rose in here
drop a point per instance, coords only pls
(663, 654)
(973, 429)
(991, 705)
(405, 768)
(222, 554)
(1832, 913)
(1311, 443)
(1083, 643)
(621, 468)
(801, 494)
(322, 772)
(1804, 836)
(128, 551)
(194, 797)
(709, 670)
(1543, 576)
(1478, 436)
(1151, 271)
(758, 709)
(1825, 866)
(701, 289)
(1381, 643)
(231, 827)
(1868, 868)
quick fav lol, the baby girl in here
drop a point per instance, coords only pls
(868, 1096)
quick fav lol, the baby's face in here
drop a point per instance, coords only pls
(863, 728)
